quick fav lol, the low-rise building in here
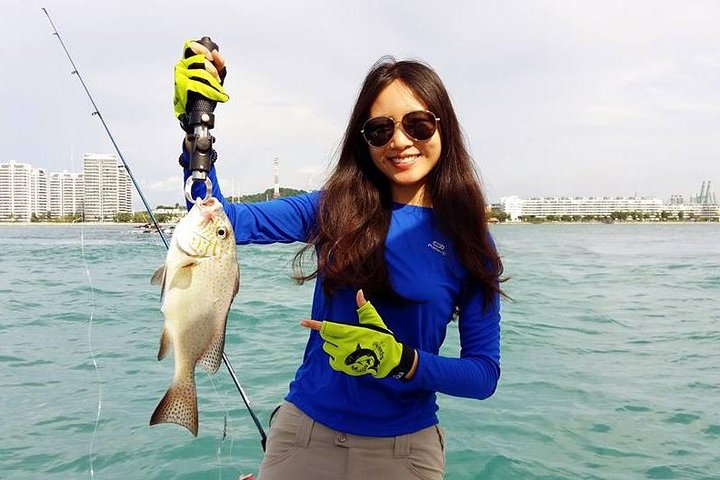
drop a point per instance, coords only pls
(701, 207)
(543, 207)
(171, 214)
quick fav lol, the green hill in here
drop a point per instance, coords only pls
(266, 195)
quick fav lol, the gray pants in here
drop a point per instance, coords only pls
(299, 448)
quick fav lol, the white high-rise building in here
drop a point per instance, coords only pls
(39, 192)
(27, 191)
(125, 190)
(107, 187)
(15, 191)
(67, 194)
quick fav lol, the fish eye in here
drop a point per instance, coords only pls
(221, 232)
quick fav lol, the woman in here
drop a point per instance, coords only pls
(401, 222)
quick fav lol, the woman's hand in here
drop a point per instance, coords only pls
(368, 347)
(201, 71)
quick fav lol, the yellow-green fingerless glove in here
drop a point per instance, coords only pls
(191, 76)
(369, 347)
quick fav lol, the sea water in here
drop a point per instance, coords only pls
(610, 358)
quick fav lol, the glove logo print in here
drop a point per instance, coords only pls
(364, 359)
(368, 347)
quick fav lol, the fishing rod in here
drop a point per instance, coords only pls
(226, 360)
(107, 130)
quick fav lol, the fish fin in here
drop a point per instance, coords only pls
(158, 277)
(182, 276)
(212, 357)
(165, 344)
(179, 405)
(237, 283)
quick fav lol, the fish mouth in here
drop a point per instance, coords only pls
(210, 202)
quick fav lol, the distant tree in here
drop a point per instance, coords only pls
(71, 218)
(140, 217)
(681, 215)
(531, 219)
(266, 195)
(123, 217)
(499, 214)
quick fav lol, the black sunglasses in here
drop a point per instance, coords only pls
(420, 126)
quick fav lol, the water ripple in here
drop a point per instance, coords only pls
(610, 361)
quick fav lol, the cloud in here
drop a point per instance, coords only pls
(544, 89)
(166, 185)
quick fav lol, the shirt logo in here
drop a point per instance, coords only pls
(438, 247)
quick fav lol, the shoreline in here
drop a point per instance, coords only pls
(609, 224)
(87, 224)
(139, 225)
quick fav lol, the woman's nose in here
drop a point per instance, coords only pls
(400, 139)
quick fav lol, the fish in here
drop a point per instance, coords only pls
(200, 278)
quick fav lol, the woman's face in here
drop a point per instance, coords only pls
(404, 161)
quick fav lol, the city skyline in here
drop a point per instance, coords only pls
(274, 176)
(98, 193)
(103, 190)
(555, 98)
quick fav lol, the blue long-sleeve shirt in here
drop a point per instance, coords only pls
(423, 267)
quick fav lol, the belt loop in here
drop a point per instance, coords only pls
(302, 437)
(402, 446)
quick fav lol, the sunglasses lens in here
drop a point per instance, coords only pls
(379, 130)
(419, 125)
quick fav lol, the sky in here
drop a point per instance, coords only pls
(556, 98)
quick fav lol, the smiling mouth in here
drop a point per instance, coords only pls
(404, 160)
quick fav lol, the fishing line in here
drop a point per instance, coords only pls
(91, 448)
(91, 350)
(226, 360)
(218, 451)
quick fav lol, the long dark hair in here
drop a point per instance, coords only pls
(356, 203)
